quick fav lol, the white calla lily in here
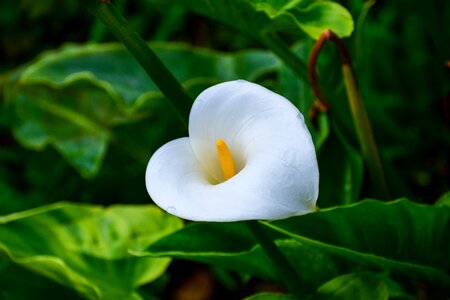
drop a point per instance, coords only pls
(277, 173)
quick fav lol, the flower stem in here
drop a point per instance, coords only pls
(364, 132)
(272, 41)
(283, 267)
(360, 119)
(161, 76)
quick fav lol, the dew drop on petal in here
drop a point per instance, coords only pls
(171, 210)
(288, 158)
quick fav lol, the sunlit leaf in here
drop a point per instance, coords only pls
(85, 247)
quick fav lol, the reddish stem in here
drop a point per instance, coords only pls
(321, 104)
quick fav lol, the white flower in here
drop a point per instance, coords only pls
(277, 174)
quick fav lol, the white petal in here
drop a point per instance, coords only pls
(178, 184)
(267, 136)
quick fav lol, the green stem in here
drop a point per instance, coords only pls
(364, 132)
(98, 29)
(272, 41)
(360, 28)
(283, 267)
(161, 76)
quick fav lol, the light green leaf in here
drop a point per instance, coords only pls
(74, 97)
(85, 247)
(259, 16)
(355, 286)
(321, 15)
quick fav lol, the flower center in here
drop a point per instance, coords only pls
(226, 160)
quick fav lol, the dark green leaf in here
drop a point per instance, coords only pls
(401, 236)
(407, 238)
(356, 286)
(341, 170)
(231, 246)
(73, 98)
(19, 283)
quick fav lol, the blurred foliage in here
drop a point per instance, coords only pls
(79, 120)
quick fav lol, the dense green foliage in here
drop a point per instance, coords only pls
(80, 118)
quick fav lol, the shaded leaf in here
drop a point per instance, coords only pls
(357, 286)
(401, 236)
(414, 242)
(231, 246)
(13, 279)
(341, 169)
(72, 98)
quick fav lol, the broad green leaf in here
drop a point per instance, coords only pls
(259, 16)
(355, 286)
(74, 97)
(231, 246)
(85, 247)
(401, 236)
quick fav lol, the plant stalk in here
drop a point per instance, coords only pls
(283, 267)
(364, 132)
(360, 119)
(161, 76)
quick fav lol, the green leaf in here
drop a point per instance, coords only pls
(74, 97)
(271, 296)
(444, 200)
(19, 283)
(85, 247)
(256, 16)
(341, 179)
(401, 236)
(231, 246)
(355, 286)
